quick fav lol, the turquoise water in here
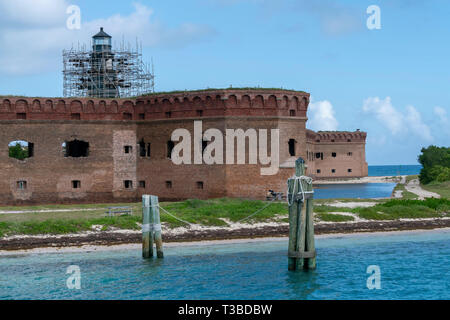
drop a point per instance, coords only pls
(355, 190)
(398, 170)
(413, 266)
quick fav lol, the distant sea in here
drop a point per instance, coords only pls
(397, 170)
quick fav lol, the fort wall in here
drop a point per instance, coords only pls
(128, 146)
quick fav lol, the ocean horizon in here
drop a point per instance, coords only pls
(394, 170)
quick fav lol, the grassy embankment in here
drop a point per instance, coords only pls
(441, 188)
(209, 213)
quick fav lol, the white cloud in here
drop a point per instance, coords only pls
(322, 116)
(385, 113)
(32, 13)
(415, 123)
(398, 123)
(441, 113)
(33, 33)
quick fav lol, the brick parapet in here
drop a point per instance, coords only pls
(207, 103)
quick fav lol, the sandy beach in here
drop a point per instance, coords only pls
(91, 240)
(136, 246)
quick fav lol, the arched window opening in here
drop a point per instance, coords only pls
(21, 150)
(292, 147)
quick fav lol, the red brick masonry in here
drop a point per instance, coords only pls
(111, 174)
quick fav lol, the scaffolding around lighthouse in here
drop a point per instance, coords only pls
(106, 73)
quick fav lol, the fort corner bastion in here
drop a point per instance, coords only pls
(116, 150)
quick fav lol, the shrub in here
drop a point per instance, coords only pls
(436, 163)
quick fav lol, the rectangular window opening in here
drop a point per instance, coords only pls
(21, 185)
(169, 184)
(128, 184)
(128, 149)
(142, 184)
(127, 116)
(21, 116)
(200, 185)
(76, 184)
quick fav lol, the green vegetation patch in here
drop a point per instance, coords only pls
(60, 227)
(212, 212)
(405, 209)
(405, 193)
(328, 217)
(327, 208)
(441, 188)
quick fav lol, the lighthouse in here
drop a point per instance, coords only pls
(105, 72)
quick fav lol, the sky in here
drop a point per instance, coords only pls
(391, 82)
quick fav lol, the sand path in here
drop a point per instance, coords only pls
(414, 187)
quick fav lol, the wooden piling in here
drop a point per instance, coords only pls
(310, 242)
(157, 226)
(293, 221)
(147, 238)
(302, 253)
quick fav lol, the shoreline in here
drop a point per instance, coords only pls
(136, 246)
(363, 180)
(108, 240)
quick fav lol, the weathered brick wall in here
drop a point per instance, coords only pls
(344, 154)
(49, 174)
(111, 125)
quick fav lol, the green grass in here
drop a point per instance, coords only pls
(411, 178)
(405, 193)
(60, 227)
(212, 212)
(207, 213)
(327, 208)
(405, 209)
(328, 217)
(402, 187)
(441, 188)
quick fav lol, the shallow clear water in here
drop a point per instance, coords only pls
(354, 191)
(413, 266)
(398, 170)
